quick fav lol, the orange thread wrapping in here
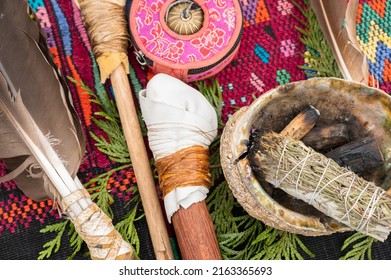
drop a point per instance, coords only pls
(186, 167)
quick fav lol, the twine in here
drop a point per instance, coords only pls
(186, 167)
(111, 242)
(91, 224)
(105, 21)
(72, 198)
(321, 182)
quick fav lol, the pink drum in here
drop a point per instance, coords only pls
(188, 39)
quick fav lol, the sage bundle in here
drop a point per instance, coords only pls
(319, 181)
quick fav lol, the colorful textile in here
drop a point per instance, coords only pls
(269, 55)
(374, 37)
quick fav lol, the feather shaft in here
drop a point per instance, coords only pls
(49, 160)
(39, 123)
(51, 165)
(334, 42)
(337, 20)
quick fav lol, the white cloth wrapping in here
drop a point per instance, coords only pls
(177, 116)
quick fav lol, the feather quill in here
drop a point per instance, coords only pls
(32, 89)
(36, 107)
(337, 20)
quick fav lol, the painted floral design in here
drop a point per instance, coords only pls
(220, 3)
(209, 40)
(174, 51)
(230, 18)
(157, 41)
(150, 11)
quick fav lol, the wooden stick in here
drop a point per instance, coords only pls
(107, 28)
(359, 155)
(326, 137)
(141, 165)
(302, 123)
(195, 233)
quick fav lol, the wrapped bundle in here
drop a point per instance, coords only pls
(319, 181)
(42, 143)
(181, 125)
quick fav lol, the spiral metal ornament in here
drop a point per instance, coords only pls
(184, 17)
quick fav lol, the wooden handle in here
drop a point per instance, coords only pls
(141, 165)
(195, 233)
